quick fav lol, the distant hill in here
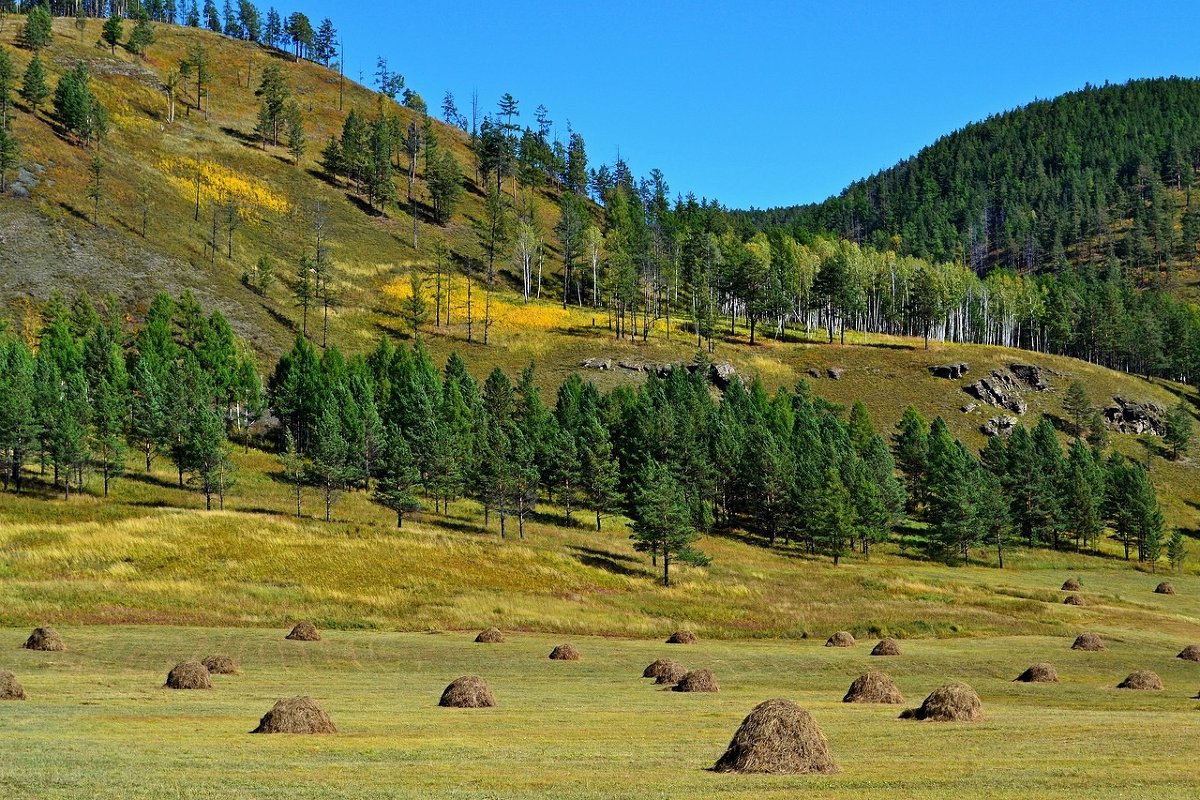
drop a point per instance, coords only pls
(1100, 172)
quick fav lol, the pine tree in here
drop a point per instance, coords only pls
(1178, 429)
(296, 141)
(34, 90)
(112, 32)
(1078, 407)
(662, 520)
(1176, 550)
(910, 444)
(328, 453)
(38, 30)
(832, 516)
(10, 152)
(212, 19)
(95, 191)
(295, 468)
(399, 478)
(142, 35)
(208, 455)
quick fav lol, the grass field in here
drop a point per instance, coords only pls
(98, 724)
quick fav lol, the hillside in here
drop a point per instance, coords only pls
(1094, 173)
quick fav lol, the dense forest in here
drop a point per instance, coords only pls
(1086, 172)
(674, 457)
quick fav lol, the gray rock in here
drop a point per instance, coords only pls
(596, 363)
(999, 426)
(969, 407)
(722, 374)
(1030, 375)
(18, 190)
(1128, 416)
(835, 373)
(813, 372)
(998, 389)
(950, 371)
(632, 366)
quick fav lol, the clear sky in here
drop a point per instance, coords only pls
(761, 103)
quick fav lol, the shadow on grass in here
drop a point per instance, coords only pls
(608, 562)
(890, 346)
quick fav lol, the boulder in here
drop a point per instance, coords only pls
(998, 426)
(998, 389)
(1127, 416)
(835, 373)
(950, 371)
(813, 372)
(632, 366)
(969, 407)
(722, 374)
(1030, 375)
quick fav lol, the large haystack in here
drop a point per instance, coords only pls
(698, 680)
(683, 637)
(1142, 679)
(565, 652)
(1190, 653)
(954, 702)
(10, 687)
(304, 632)
(469, 691)
(1088, 641)
(1073, 600)
(220, 665)
(1039, 673)
(188, 675)
(886, 647)
(671, 674)
(44, 639)
(841, 639)
(658, 667)
(873, 687)
(296, 715)
(1072, 585)
(490, 636)
(1164, 588)
(780, 738)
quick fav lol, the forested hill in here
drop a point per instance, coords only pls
(1084, 176)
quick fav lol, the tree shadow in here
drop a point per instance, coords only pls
(608, 562)
(887, 345)
(284, 321)
(74, 212)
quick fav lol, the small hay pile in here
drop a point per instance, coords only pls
(954, 702)
(1072, 585)
(1190, 653)
(188, 675)
(490, 636)
(44, 639)
(1142, 679)
(886, 647)
(1088, 641)
(698, 680)
(304, 632)
(873, 687)
(841, 639)
(779, 738)
(10, 687)
(1073, 600)
(220, 665)
(296, 715)
(1039, 673)
(469, 691)
(1164, 588)
(565, 652)
(670, 674)
(683, 637)
(658, 667)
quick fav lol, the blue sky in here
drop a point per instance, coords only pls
(762, 103)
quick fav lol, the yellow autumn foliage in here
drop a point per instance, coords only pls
(220, 184)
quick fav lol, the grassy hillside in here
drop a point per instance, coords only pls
(97, 722)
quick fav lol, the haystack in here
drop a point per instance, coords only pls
(490, 636)
(671, 674)
(1039, 673)
(188, 675)
(780, 738)
(841, 639)
(296, 715)
(304, 632)
(10, 687)
(1142, 679)
(220, 665)
(1190, 653)
(683, 637)
(1088, 641)
(954, 702)
(565, 652)
(698, 680)
(1164, 588)
(44, 639)
(1072, 585)
(1073, 600)
(469, 691)
(873, 687)
(886, 647)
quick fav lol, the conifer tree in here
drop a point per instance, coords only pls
(142, 35)
(662, 520)
(38, 30)
(832, 517)
(1178, 429)
(1078, 407)
(328, 454)
(34, 90)
(399, 478)
(295, 467)
(296, 141)
(1176, 550)
(910, 443)
(112, 32)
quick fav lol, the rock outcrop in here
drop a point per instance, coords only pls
(1030, 375)
(999, 389)
(1126, 416)
(596, 363)
(999, 426)
(722, 374)
(835, 373)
